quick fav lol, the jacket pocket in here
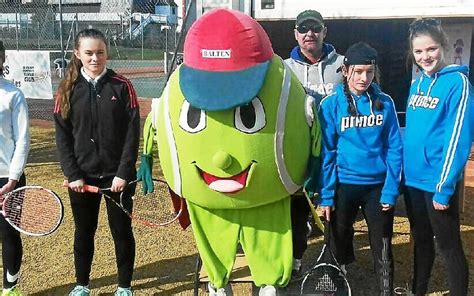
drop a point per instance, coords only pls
(416, 163)
(361, 164)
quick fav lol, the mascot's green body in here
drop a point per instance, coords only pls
(236, 167)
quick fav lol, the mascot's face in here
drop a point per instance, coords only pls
(231, 158)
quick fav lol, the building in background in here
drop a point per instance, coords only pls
(382, 24)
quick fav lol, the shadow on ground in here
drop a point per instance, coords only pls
(154, 275)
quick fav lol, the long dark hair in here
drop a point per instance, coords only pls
(425, 26)
(351, 108)
(72, 72)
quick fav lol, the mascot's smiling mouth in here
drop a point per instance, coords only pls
(231, 184)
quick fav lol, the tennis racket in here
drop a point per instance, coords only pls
(152, 209)
(33, 210)
(326, 277)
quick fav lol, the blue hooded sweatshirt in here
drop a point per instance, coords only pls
(363, 149)
(438, 134)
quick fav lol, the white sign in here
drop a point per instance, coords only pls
(367, 9)
(29, 70)
(459, 46)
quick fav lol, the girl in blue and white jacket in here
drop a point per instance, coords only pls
(437, 144)
(14, 148)
(361, 162)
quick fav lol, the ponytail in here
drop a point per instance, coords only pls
(63, 95)
(376, 102)
(67, 85)
(351, 108)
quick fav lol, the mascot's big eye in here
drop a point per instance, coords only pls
(191, 119)
(250, 118)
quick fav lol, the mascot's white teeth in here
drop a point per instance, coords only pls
(226, 185)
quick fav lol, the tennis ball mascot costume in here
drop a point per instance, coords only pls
(235, 135)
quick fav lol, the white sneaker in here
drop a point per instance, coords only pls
(296, 265)
(218, 292)
(309, 230)
(123, 292)
(80, 291)
(267, 290)
(343, 269)
(403, 291)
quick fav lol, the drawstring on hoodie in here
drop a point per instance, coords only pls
(431, 84)
(370, 104)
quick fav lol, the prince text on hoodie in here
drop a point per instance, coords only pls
(360, 149)
(438, 136)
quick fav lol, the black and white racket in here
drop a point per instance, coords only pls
(32, 210)
(326, 277)
(152, 209)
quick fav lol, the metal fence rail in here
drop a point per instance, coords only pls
(138, 32)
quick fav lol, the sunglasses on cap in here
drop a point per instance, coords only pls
(315, 28)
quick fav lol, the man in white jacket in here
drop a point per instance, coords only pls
(315, 63)
(15, 143)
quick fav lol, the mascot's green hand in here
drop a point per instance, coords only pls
(144, 173)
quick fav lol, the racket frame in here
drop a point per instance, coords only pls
(335, 264)
(105, 192)
(50, 192)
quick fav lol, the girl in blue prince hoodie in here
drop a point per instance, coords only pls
(361, 162)
(437, 144)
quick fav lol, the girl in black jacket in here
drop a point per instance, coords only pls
(97, 134)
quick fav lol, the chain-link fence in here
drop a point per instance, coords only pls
(139, 33)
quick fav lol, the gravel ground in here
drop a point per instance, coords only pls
(166, 257)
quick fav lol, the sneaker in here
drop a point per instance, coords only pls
(267, 290)
(80, 291)
(343, 269)
(309, 230)
(296, 264)
(214, 291)
(123, 292)
(13, 291)
(403, 291)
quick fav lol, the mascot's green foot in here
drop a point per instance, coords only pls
(268, 290)
(226, 291)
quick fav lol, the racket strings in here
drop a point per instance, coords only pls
(326, 284)
(34, 211)
(325, 280)
(156, 208)
(13, 208)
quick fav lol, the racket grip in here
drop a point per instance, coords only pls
(87, 188)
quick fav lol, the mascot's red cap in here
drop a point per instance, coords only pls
(226, 57)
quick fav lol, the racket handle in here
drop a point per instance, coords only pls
(87, 188)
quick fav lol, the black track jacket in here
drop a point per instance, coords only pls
(101, 135)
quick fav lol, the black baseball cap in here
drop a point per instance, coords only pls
(360, 53)
(309, 15)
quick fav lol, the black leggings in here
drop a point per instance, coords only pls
(12, 249)
(85, 209)
(349, 198)
(299, 218)
(426, 223)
